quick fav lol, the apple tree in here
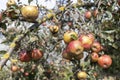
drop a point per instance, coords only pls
(74, 40)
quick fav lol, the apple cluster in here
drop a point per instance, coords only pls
(25, 56)
(76, 45)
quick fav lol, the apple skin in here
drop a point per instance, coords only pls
(75, 48)
(86, 40)
(54, 29)
(68, 36)
(81, 75)
(36, 54)
(14, 68)
(24, 56)
(105, 61)
(11, 3)
(29, 12)
(88, 14)
(95, 12)
(66, 55)
(0, 16)
(96, 47)
(119, 2)
(94, 57)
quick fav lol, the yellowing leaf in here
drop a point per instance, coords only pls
(62, 8)
(6, 56)
(13, 60)
(12, 45)
(49, 15)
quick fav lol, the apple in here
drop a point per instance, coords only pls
(95, 12)
(70, 23)
(94, 56)
(12, 14)
(86, 40)
(54, 29)
(81, 75)
(0, 16)
(29, 12)
(119, 2)
(88, 14)
(11, 3)
(24, 56)
(105, 61)
(36, 54)
(14, 68)
(78, 57)
(66, 55)
(69, 36)
(26, 74)
(96, 47)
(75, 48)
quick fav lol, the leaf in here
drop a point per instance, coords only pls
(74, 37)
(6, 56)
(3, 26)
(110, 31)
(29, 1)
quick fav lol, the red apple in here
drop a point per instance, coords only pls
(119, 2)
(75, 47)
(0, 16)
(86, 40)
(105, 61)
(36, 54)
(96, 47)
(94, 57)
(88, 14)
(95, 13)
(24, 56)
(14, 68)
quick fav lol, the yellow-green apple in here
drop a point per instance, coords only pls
(69, 36)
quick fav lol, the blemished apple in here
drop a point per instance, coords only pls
(86, 40)
(96, 47)
(75, 48)
(29, 12)
(66, 55)
(94, 57)
(105, 61)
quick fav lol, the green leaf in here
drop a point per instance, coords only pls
(29, 1)
(74, 37)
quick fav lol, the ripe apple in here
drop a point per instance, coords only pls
(95, 12)
(81, 75)
(69, 36)
(119, 2)
(105, 61)
(78, 57)
(30, 12)
(36, 54)
(94, 57)
(26, 74)
(24, 56)
(88, 14)
(54, 29)
(96, 46)
(66, 55)
(14, 68)
(0, 16)
(75, 48)
(11, 3)
(86, 40)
